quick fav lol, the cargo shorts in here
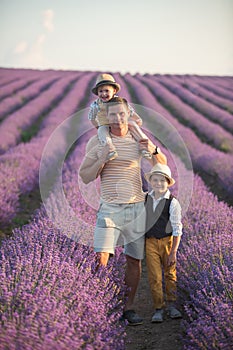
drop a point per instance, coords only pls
(120, 225)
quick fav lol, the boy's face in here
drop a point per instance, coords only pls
(159, 184)
(106, 92)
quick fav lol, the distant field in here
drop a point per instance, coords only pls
(50, 289)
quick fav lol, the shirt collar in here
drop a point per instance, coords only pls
(166, 195)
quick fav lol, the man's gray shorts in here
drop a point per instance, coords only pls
(120, 225)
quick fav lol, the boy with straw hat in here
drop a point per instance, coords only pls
(106, 88)
(163, 234)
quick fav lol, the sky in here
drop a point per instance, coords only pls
(126, 36)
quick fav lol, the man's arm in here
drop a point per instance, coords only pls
(159, 158)
(94, 161)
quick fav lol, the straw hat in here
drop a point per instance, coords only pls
(161, 169)
(105, 79)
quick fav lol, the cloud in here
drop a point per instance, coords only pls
(35, 55)
(21, 47)
(48, 16)
(31, 54)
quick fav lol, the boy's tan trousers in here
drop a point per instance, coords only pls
(157, 251)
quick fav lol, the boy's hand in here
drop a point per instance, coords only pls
(147, 145)
(171, 260)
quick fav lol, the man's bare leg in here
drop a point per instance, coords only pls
(103, 258)
(132, 278)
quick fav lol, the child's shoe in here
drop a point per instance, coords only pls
(158, 316)
(173, 312)
(112, 155)
(146, 154)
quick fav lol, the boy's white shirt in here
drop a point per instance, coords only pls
(174, 211)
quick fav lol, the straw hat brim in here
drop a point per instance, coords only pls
(170, 179)
(105, 82)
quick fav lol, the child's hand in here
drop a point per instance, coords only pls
(147, 145)
(171, 259)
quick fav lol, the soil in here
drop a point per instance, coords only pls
(151, 336)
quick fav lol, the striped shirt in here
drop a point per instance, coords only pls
(174, 211)
(120, 178)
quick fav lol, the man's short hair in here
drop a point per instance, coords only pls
(117, 100)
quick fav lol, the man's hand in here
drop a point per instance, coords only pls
(94, 161)
(102, 153)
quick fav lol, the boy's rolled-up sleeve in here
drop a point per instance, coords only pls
(93, 111)
(175, 218)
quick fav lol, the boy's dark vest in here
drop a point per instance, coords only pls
(158, 224)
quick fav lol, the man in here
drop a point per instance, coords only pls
(121, 213)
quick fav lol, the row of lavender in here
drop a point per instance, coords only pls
(53, 295)
(210, 132)
(65, 328)
(205, 158)
(194, 231)
(19, 166)
(51, 288)
(14, 80)
(24, 116)
(57, 337)
(11, 128)
(222, 86)
(205, 270)
(209, 109)
(220, 98)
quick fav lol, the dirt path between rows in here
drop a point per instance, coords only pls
(151, 336)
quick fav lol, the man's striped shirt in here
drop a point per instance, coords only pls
(121, 177)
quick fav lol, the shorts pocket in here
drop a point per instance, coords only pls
(105, 222)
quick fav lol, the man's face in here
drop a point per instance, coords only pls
(118, 115)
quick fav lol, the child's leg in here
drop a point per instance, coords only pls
(105, 138)
(154, 269)
(169, 272)
(139, 135)
(136, 131)
(171, 287)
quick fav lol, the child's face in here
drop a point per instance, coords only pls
(106, 92)
(159, 184)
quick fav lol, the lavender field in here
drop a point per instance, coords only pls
(52, 295)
